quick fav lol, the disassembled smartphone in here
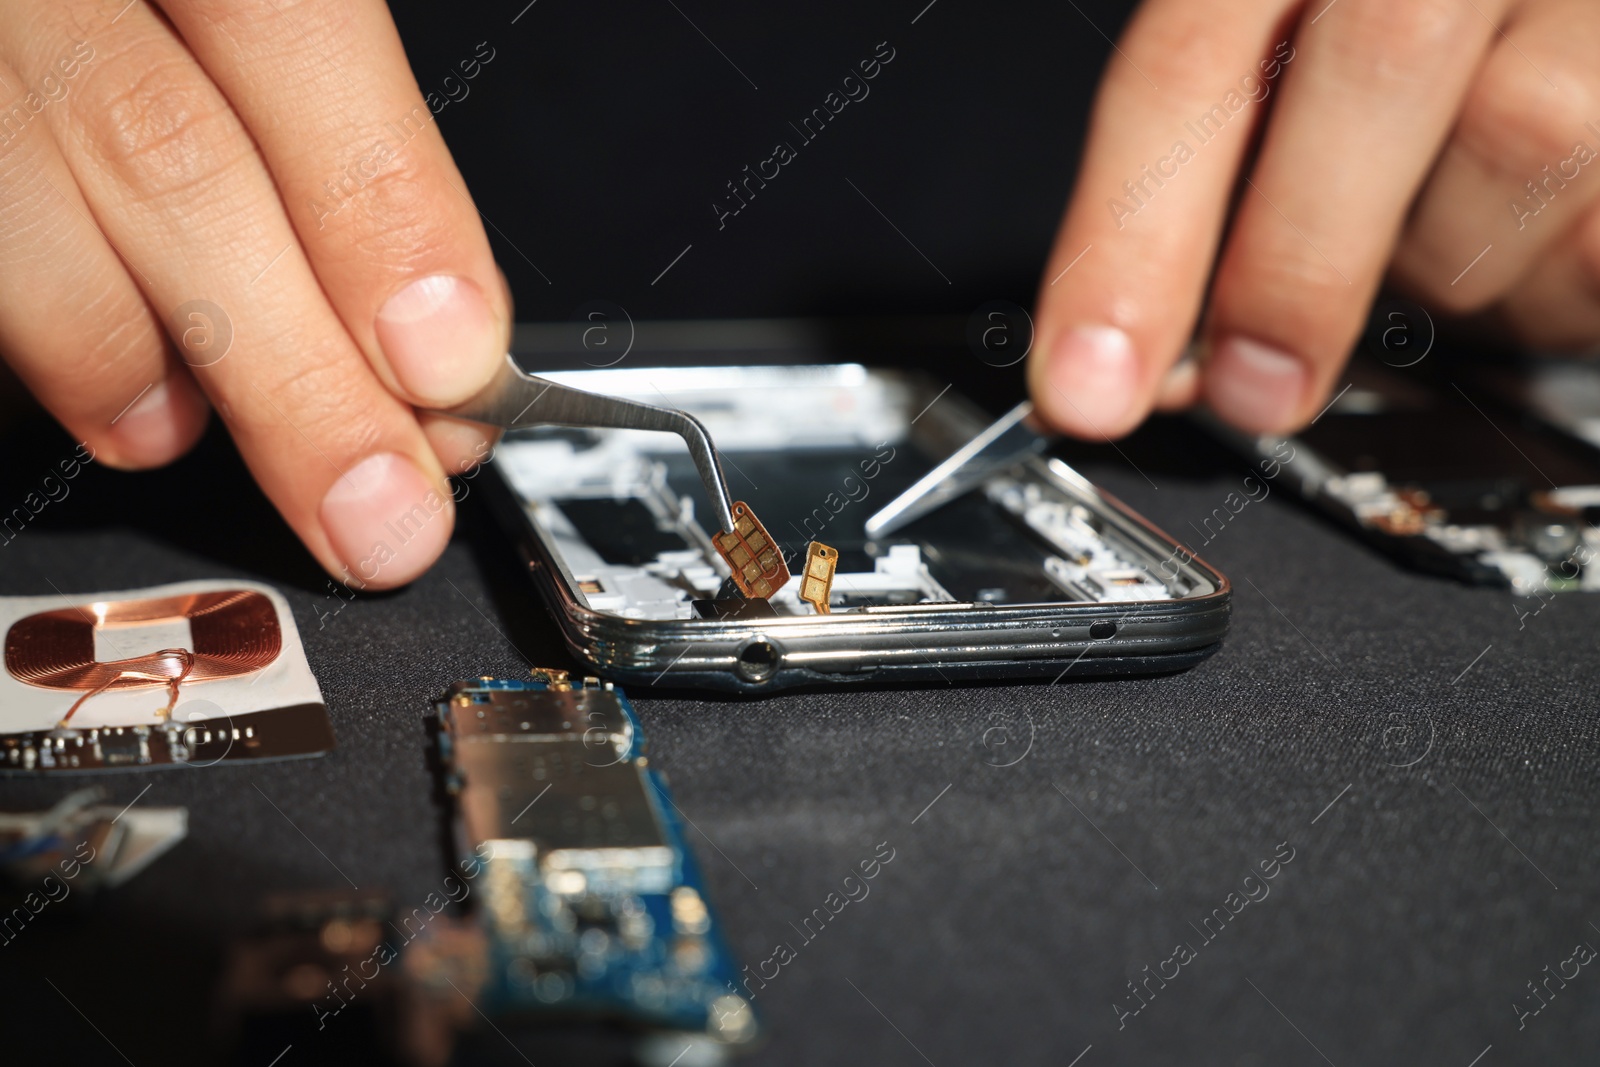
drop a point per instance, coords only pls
(1037, 573)
(1446, 478)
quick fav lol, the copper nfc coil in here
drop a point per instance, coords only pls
(232, 633)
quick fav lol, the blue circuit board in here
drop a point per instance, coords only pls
(591, 902)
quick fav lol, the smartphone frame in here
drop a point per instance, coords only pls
(916, 643)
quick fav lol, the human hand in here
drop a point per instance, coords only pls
(262, 180)
(1449, 144)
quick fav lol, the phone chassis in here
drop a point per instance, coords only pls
(1108, 594)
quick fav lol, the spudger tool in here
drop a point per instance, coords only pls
(1008, 442)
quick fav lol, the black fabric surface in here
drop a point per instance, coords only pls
(1049, 841)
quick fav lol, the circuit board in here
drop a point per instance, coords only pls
(592, 904)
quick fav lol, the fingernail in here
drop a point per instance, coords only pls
(1254, 386)
(155, 429)
(386, 521)
(1096, 376)
(1179, 386)
(440, 338)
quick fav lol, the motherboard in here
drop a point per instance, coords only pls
(592, 906)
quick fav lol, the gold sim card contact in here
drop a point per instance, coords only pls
(758, 567)
(817, 582)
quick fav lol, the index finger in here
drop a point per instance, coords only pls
(368, 183)
(1175, 114)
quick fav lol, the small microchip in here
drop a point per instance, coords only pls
(758, 567)
(817, 584)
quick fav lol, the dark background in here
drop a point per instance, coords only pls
(1421, 898)
(600, 135)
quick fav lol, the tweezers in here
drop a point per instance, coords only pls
(516, 399)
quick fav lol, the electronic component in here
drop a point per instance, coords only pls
(234, 632)
(189, 674)
(816, 584)
(590, 901)
(755, 559)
